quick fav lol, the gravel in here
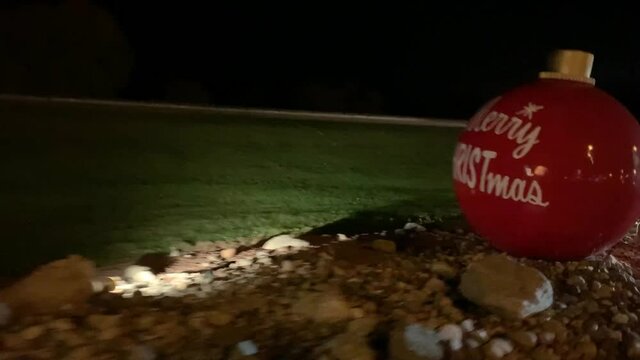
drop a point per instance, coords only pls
(338, 299)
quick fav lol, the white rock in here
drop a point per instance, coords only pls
(506, 287)
(243, 262)
(481, 334)
(399, 232)
(281, 241)
(415, 342)
(499, 348)
(452, 334)
(138, 274)
(410, 226)
(467, 325)
(247, 348)
(343, 237)
(5, 314)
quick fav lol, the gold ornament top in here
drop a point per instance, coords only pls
(572, 65)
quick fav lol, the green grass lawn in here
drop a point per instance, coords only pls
(110, 183)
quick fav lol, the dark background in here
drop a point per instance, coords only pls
(432, 59)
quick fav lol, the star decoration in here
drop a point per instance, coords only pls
(529, 109)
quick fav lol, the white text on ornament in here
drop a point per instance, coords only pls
(523, 133)
(471, 166)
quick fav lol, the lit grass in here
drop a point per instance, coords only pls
(112, 183)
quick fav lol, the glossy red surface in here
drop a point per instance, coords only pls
(550, 170)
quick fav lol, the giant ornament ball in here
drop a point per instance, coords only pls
(550, 169)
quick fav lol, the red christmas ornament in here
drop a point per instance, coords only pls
(550, 169)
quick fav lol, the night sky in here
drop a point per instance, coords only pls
(421, 58)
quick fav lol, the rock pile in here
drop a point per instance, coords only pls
(415, 294)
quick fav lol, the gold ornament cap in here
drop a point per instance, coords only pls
(574, 65)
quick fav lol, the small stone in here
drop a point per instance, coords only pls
(62, 325)
(369, 307)
(287, 266)
(228, 253)
(452, 334)
(243, 262)
(338, 271)
(620, 318)
(443, 269)
(343, 237)
(32, 332)
(362, 326)
(498, 348)
(615, 335)
(174, 252)
(542, 353)
(138, 274)
(415, 342)
(282, 241)
(547, 337)
(604, 292)
(633, 351)
(70, 338)
(587, 349)
(506, 287)
(472, 343)
(467, 325)
(350, 346)
(577, 280)
(219, 318)
(592, 307)
(265, 261)
(98, 321)
(5, 314)
(434, 285)
(329, 306)
(247, 348)
(384, 245)
(357, 313)
(109, 334)
(525, 339)
(481, 334)
(81, 353)
(410, 226)
(143, 352)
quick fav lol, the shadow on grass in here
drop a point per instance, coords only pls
(393, 216)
